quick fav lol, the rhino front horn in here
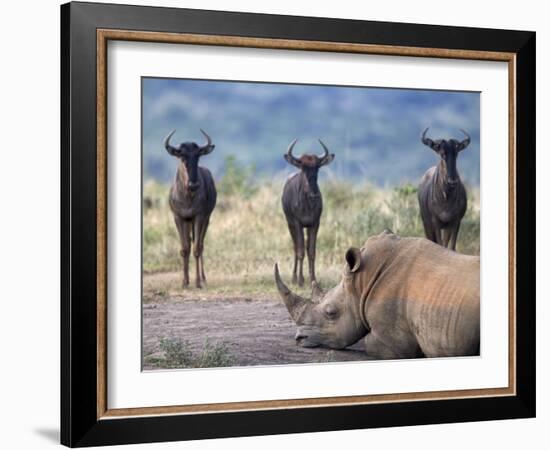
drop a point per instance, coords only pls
(293, 302)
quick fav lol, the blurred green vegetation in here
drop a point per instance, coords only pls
(237, 180)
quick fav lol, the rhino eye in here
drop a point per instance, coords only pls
(331, 311)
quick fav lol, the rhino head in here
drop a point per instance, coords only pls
(330, 319)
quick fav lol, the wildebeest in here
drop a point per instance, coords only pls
(441, 194)
(192, 199)
(303, 205)
(402, 294)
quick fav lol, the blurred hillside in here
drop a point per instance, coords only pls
(375, 133)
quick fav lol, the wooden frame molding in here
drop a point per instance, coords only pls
(103, 36)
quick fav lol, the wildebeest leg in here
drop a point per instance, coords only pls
(311, 242)
(437, 233)
(184, 231)
(428, 227)
(297, 233)
(293, 230)
(198, 224)
(203, 276)
(446, 236)
(300, 252)
(203, 234)
(430, 232)
(454, 235)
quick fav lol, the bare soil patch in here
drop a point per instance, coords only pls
(255, 330)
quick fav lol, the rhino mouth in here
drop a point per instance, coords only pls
(304, 340)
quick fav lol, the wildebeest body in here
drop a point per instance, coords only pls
(192, 199)
(441, 194)
(298, 206)
(190, 205)
(441, 207)
(303, 205)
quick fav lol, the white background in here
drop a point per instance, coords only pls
(29, 229)
(128, 387)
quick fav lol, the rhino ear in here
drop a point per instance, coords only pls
(353, 259)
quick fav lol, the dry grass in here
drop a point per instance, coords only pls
(248, 233)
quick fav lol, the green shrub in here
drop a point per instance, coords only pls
(237, 179)
(404, 211)
(178, 355)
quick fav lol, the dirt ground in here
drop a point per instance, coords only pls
(255, 331)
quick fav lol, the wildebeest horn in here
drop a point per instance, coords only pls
(289, 157)
(465, 142)
(294, 303)
(327, 156)
(205, 149)
(425, 140)
(290, 148)
(325, 149)
(167, 145)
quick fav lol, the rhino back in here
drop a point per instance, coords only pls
(430, 293)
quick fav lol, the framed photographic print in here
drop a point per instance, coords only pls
(277, 224)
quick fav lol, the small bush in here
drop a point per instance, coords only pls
(403, 208)
(178, 355)
(340, 194)
(214, 354)
(468, 236)
(237, 179)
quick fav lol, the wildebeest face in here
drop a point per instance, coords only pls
(309, 165)
(327, 319)
(310, 169)
(448, 151)
(189, 153)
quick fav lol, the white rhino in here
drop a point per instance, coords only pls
(408, 297)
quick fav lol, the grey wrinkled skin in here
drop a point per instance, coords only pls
(401, 295)
(192, 199)
(303, 205)
(441, 194)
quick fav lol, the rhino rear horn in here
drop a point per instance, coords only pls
(293, 302)
(316, 292)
